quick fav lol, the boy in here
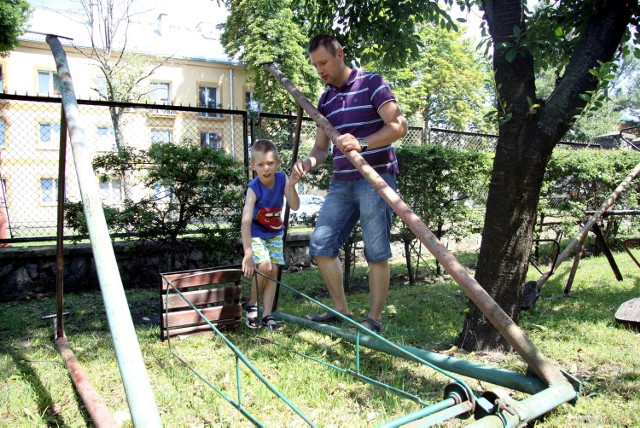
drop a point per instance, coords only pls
(262, 229)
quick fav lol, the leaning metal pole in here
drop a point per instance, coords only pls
(588, 225)
(537, 362)
(144, 412)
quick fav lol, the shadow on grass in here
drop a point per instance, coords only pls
(45, 403)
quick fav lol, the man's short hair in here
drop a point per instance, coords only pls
(263, 146)
(328, 41)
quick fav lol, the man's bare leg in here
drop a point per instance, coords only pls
(331, 271)
(379, 277)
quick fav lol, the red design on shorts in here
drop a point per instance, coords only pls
(270, 219)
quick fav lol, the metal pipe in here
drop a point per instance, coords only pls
(494, 313)
(142, 406)
(588, 225)
(62, 163)
(493, 375)
(96, 408)
(294, 158)
(517, 413)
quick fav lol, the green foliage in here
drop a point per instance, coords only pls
(259, 32)
(580, 180)
(195, 188)
(13, 17)
(445, 84)
(441, 186)
(374, 30)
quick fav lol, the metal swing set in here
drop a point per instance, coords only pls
(547, 385)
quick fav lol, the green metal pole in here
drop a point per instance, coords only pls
(496, 376)
(140, 398)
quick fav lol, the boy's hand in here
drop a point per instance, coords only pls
(294, 178)
(248, 265)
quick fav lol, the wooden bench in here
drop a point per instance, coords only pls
(215, 292)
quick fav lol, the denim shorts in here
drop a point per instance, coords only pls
(347, 202)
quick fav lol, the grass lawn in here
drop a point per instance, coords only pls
(578, 333)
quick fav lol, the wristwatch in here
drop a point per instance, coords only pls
(363, 144)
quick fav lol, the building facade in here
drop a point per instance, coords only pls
(184, 65)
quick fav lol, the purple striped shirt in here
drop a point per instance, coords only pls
(353, 108)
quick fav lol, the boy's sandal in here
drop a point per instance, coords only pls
(270, 323)
(252, 321)
(373, 325)
(327, 317)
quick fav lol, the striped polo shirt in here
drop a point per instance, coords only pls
(353, 108)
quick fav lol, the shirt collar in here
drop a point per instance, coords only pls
(350, 79)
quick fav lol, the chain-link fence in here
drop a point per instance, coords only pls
(30, 131)
(30, 140)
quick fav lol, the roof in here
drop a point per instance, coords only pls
(159, 29)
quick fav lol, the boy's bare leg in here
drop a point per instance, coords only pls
(268, 291)
(331, 271)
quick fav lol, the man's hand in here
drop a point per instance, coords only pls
(347, 142)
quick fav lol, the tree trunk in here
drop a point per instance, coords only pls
(526, 139)
(506, 239)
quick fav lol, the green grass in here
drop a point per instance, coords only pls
(578, 333)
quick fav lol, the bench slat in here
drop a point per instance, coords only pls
(201, 297)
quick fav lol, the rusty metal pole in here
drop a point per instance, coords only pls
(505, 325)
(93, 402)
(142, 405)
(62, 160)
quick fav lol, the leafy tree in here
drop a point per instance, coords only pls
(13, 16)
(580, 38)
(445, 86)
(263, 31)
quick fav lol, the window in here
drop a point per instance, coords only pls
(49, 190)
(49, 134)
(161, 94)
(111, 191)
(249, 102)
(1, 133)
(1, 80)
(162, 192)
(101, 87)
(106, 139)
(212, 140)
(48, 83)
(161, 136)
(208, 97)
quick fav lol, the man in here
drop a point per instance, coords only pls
(362, 108)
